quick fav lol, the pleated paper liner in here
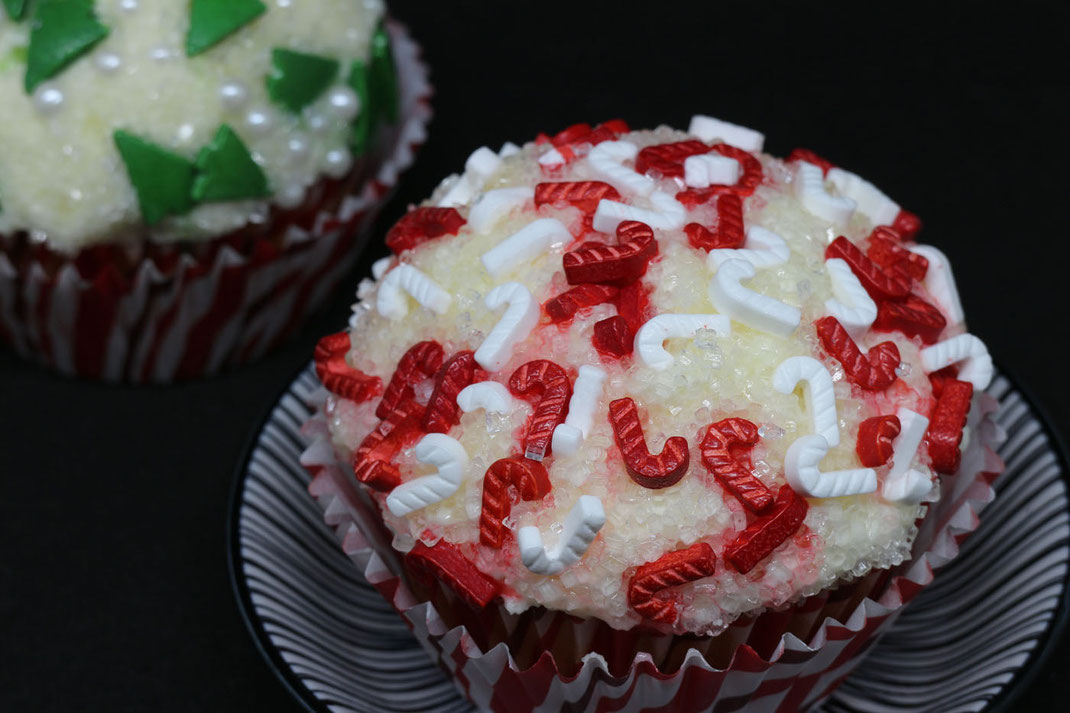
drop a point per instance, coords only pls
(548, 661)
(158, 313)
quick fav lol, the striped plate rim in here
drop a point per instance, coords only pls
(311, 614)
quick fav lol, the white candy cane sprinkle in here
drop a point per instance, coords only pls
(909, 487)
(515, 325)
(810, 190)
(581, 526)
(912, 428)
(709, 129)
(762, 248)
(586, 397)
(966, 349)
(490, 396)
(480, 165)
(667, 213)
(940, 282)
(818, 392)
(879, 208)
(380, 266)
(391, 301)
(492, 206)
(525, 245)
(449, 457)
(852, 306)
(650, 339)
(552, 159)
(805, 477)
(607, 160)
(710, 169)
(747, 306)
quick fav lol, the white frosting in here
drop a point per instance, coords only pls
(713, 373)
(60, 174)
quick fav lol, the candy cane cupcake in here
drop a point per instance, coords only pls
(181, 182)
(632, 406)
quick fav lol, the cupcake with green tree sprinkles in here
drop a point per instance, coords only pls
(181, 182)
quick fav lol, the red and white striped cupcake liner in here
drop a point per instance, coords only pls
(779, 661)
(169, 313)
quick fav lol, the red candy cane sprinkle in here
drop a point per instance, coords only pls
(613, 337)
(945, 427)
(422, 224)
(442, 412)
(874, 371)
(940, 377)
(565, 306)
(584, 195)
(767, 532)
(875, 436)
(420, 362)
(913, 317)
(531, 482)
(729, 232)
(725, 453)
(908, 224)
(371, 460)
(881, 285)
(613, 264)
(810, 157)
(647, 470)
(668, 159)
(647, 589)
(340, 378)
(885, 249)
(549, 383)
(750, 178)
(447, 564)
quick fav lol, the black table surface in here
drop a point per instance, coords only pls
(113, 582)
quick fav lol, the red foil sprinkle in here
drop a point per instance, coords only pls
(647, 470)
(874, 371)
(881, 285)
(768, 532)
(945, 427)
(726, 454)
(340, 378)
(913, 317)
(550, 384)
(422, 224)
(613, 264)
(810, 157)
(442, 412)
(527, 476)
(632, 303)
(445, 563)
(420, 362)
(371, 460)
(581, 194)
(875, 436)
(647, 589)
(668, 159)
(729, 232)
(565, 306)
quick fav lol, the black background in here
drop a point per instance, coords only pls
(113, 580)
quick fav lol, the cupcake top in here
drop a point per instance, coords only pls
(179, 121)
(653, 377)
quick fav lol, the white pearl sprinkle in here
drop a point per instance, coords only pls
(161, 54)
(128, 5)
(233, 94)
(298, 147)
(47, 99)
(259, 121)
(337, 163)
(290, 196)
(318, 124)
(185, 132)
(283, 3)
(107, 62)
(344, 103)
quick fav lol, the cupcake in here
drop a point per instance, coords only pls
(182, 183)
(653, 417)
